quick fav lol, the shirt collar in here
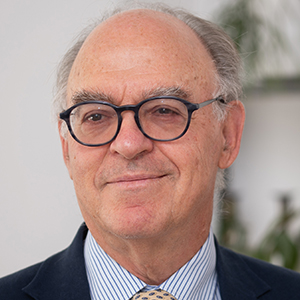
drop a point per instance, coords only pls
(197, 279)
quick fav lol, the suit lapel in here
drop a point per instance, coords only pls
(237, 281)
(63, 275)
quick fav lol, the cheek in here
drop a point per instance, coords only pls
(197, 156)
(84, 163)
(84, 166)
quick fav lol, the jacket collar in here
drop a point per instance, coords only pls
(63, 275)
(237, 281)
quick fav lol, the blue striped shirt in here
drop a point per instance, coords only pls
(197, 279)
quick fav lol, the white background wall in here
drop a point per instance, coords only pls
(38, 209)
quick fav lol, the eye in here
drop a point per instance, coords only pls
(94, 117)
(98, 116)
(165, 111)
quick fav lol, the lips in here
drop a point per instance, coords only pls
(134, 178)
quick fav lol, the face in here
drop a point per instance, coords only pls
(134, 187)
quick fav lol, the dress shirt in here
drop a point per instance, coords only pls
(196, 280)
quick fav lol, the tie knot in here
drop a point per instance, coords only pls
(153, 295)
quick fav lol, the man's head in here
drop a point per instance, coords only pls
(135, 187)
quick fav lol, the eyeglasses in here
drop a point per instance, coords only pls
(163, 118)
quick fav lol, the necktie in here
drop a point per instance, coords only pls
(153, 295)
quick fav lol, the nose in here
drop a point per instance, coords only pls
(130, 141)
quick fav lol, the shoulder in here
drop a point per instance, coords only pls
(50, 277)
(11, 286)
(268, 271)
(256, 276)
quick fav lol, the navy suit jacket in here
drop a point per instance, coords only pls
(63, 277)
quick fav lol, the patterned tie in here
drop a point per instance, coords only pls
(153, 295)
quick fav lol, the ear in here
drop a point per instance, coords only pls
(65, 146)
(232, 133)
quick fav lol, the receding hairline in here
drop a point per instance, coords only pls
(190, 45)
(147, 15)
(143, 13)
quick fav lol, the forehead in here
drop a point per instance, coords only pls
(141, 49)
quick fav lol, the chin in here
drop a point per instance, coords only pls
(136, 235)
(136, 228)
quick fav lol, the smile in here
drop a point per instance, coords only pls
(135, 180)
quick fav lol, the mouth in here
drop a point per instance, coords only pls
(135, 181)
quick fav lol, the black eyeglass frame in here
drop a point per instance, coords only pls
(191, 107)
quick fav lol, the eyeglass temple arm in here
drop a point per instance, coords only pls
(219, 98)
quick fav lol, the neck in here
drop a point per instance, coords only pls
(144, 257)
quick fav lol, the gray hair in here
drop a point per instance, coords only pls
(218, 44)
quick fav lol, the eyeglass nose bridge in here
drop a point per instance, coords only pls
(134, 108)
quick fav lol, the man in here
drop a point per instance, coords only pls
(149, 118)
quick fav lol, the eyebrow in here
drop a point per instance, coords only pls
(174, 91)
(84, 95)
